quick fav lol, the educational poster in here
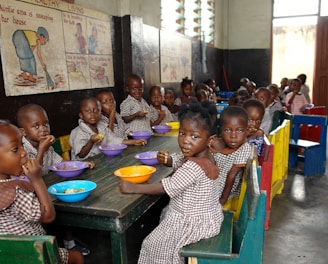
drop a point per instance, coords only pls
(175, 57)
(52, 46)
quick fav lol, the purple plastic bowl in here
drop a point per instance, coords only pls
(162, 129)
(69, 169)
(112, 149)
(147, 158)
(141, 134)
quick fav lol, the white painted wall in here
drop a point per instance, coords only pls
(240, 24)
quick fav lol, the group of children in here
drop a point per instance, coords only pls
(207, 172)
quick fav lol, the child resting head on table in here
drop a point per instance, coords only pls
(24, 205)
(134, 109)
(193, 190)
(34, 124)
(110, 118)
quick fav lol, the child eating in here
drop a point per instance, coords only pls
(24, 205)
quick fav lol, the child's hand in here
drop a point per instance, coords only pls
(97, 138)
(141, 113)
(164, 157)
(32, 169)
(140, 142)
(91, 165)
(46, 142)
(127, 187)
(161, 114)
(223, 201)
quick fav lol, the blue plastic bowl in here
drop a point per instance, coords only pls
(162, 129)
(59, 189)
(148, 157)
(69, 169)
(112, 149)
(141, 135)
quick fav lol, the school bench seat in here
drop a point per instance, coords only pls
(313, 154)
(28, 249)
(247, 233)
(62, 147)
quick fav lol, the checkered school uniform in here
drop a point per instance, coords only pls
(154, 115)
(50, 156)
(120, 128)
(131, 106)
(193, 213)
(225, 160)
(20, 211)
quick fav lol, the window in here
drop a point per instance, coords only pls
(194, 18)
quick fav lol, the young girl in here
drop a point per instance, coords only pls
(24, 205)
(186, 89)
(194, 211)
(232, 159)
(169, 99)
(159, 114)
(255, 111)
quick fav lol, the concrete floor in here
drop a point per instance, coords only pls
(298, 230)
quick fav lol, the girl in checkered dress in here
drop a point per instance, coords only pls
(24, 205)
(194, 211)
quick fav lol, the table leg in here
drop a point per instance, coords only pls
(119, 252)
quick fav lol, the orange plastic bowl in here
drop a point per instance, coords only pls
(135, 174)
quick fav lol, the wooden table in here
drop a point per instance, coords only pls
(106, 208)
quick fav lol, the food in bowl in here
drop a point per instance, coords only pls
(141, 135)
(112, 149)
(162, 129)
(72, 191)
(148, 157)
(135, 174)
(69, 169)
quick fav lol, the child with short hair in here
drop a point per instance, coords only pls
(186, 88)
(135, 109)
(295, 100)
(275, 104)
(34, 124)
(24, 205)
(159, 113)
(194, 203)
(255, 111)
(111, 119)
(169, 103)
(264, 96)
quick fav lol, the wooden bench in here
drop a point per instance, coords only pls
(28, 249)
(239, 241)
(313, 154)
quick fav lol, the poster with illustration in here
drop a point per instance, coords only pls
(45, 47)
(175, 57)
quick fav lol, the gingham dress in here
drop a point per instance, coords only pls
(20, 211)
(225, 162)
(131, 106)
(154, 115)
(120, 128)
(50, 156)
(193, 213)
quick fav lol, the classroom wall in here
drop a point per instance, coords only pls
(135, 38)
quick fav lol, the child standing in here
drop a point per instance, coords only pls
(232, 159)
(159, 113)
(169, 103)
(295, 100)
(134, 109)
(111, 119)
(186, 89)
(255, 111)
(193, 189)
(26, 204)
(34, 124)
